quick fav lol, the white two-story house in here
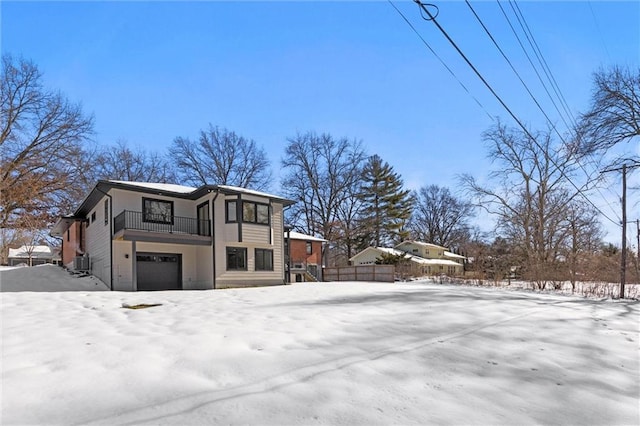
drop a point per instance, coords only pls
(149, 236)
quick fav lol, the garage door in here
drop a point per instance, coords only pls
(159, 271)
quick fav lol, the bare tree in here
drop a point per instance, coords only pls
(42, 160)
(222, 157)
(584, 239)
(532, 197)
(440, 218)
(322, 176)
(614, 115)
(119, 162)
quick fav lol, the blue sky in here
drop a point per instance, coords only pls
(152, 71)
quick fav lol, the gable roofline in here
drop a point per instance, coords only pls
(410, 257)
(169, 190)
(300, 236)
(420, 243)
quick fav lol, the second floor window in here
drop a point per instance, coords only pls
(309, 247)
(252, 212)
(157, 211)
(255, 213)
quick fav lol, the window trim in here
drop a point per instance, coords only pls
(241, 250)
(263, 251)
(144, 211)
(226, 211)
(240, 212)
(257, 205)
(200, 220)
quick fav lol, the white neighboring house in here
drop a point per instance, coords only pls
(148, 236)
(31, 255)
(424, 258)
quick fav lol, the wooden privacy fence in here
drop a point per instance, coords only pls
(380, 273)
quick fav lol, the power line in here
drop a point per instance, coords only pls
(535, 69)
(513, 68)
(553, 126)
(595, 20)
(441, 60)
(542, 60)
(504, 105)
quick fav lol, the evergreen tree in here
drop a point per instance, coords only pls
(386, 205)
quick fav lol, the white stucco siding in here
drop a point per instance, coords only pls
(204, 267)
(98, 242)
(122, 266)
(193, 275)
(129, 200)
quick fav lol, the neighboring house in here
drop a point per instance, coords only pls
(424, 258)
(150, 236)
(447, 262)
(306, 256)
(31, 255)
(371, 255)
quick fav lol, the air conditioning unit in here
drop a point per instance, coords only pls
(81, 263)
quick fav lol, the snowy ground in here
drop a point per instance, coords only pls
(307, 354)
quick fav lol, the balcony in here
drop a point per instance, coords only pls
(136, 226)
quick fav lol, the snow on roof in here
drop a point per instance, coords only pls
(300, 236)
(455, 256)
(247, 191)
(169, 187)
(411, 257)
(36, 251)
(420, 243)
(182, 189)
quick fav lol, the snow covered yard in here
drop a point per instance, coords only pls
(328, 353)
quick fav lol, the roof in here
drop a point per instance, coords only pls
(36, 251)
(412, 258)
(166, 189)
(300, 236)
(453, 255)
(420, 243)
(102, 187)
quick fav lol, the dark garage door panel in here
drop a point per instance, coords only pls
(159, 271)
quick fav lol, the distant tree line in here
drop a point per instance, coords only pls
(546, 230)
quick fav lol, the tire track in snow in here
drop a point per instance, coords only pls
(163, 411)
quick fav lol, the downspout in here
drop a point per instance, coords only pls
(110, 236)
(287, 272)
(213, 237)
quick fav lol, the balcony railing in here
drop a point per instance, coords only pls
(159, 223)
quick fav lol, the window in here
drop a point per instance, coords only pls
(262, 211)
(106, 212)
(236, 259)
(232, 212)
(309, 247)
(255, 213)
(204, 224)
(157, 211)
(251, 212)
(248, 212)
(264, 260)
(68, 235)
